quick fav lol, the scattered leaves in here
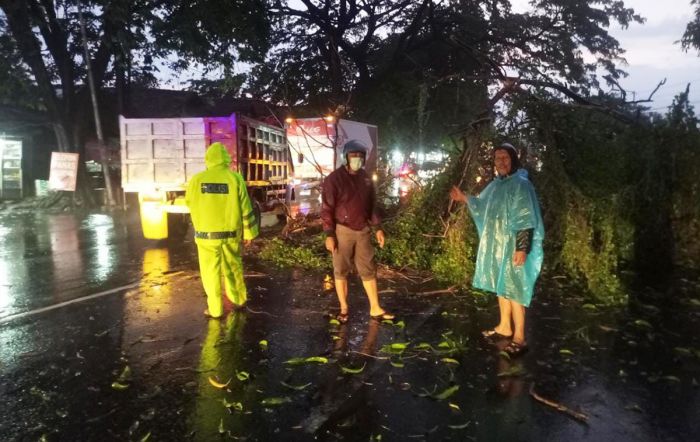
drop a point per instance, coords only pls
(235, 405)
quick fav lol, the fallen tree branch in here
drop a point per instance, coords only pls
(581, 417)
(439, 292)
(369, 355)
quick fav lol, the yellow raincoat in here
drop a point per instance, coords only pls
(222, 216)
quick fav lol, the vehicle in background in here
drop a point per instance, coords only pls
(316, 146)
(160, 155)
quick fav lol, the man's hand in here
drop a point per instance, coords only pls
(247, 242)
(331, 244)
(519, 258)
(380, 238)
(458, 195)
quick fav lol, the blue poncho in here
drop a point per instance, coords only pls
(504, 207)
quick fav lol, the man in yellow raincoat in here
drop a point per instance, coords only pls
(223, 216)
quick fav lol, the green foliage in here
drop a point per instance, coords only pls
(589, 251)
(415, 235)
(287, 254)
(455, 263)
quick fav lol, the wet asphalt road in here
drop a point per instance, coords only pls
(135, 363)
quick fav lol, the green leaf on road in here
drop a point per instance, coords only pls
(235, 405)
(566, 351)
(310, 359)
(119, 386)
(275, 401)
(296, 387)
(642, 323)
(447, 393)
(242, 375)
(353, 370)
(125, 375)
(263, 344)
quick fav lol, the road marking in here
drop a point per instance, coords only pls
(63, 304)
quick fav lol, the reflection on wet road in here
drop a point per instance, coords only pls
(47, 259)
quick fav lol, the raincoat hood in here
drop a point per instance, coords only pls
(217, 155)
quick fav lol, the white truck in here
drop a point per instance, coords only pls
(159, 156)
(316, 146)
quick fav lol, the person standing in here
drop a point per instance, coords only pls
(223, 216)
(349, 212)
(509, 258)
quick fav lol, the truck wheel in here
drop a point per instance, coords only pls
(257, 210)
(178, 224)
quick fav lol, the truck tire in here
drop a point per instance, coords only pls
(178, 225)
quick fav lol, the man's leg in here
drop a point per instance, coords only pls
(504, 326)
(234, 283)
(210, 272)
(519, 321)
(342, 263)
(366, 267)
(341, 289)
(370, 286)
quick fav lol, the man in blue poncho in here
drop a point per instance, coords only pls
(507, 217)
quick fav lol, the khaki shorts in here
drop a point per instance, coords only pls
(354, 246)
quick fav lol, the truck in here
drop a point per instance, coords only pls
(316, 147)
(160, 155)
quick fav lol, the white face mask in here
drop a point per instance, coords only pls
(355, 164)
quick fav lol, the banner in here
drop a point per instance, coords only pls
(64, 171)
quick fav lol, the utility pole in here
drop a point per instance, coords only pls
(98, 124)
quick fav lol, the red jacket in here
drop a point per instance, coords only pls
(350, 200)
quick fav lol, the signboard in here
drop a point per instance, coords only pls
(10, 169)
(64, 171)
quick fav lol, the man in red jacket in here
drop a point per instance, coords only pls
(349, 212)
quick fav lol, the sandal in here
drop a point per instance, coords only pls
(342, 317)
(493, 334)
(386, 316)
(515, 349)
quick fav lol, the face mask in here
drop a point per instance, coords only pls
(355, 164)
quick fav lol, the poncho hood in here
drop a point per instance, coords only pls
(217, 155)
